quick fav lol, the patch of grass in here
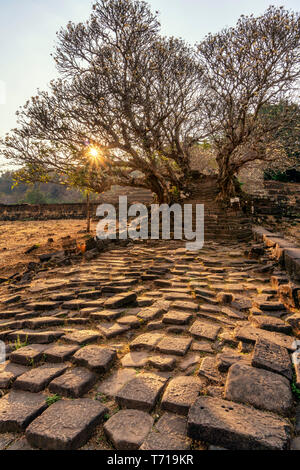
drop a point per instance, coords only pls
(53, 399)
(115, 410)
(18, 343)
(101, 397)
(106, 417)
(295, 389)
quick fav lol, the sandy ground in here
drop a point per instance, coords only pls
(17, 237)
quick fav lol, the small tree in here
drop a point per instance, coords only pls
(124, 90)
(247, 68)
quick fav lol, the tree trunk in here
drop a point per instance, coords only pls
(157, 188)
(227, 181)
(88, 214)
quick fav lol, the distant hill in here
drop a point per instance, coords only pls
(41, 193)
(51, 193)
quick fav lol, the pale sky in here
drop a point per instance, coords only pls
(28, 27)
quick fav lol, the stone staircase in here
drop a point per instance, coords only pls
(220, 223)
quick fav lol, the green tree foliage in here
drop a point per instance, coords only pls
(248, 67)
(124, 90)
(141, 102)
(38, 193)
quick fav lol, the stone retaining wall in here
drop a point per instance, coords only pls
(278, 199)
(285, 252)
(45, 211)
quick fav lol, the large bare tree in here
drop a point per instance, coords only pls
(123, 90)
(248, 67)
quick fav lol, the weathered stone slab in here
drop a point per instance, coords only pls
(106, 315)
(159, 441)
(9, 314)
(174, 345)
(185, 306)
(292, 262)
(200, 291)
(209, 369)
(60, 353)
(66, 425)
(75, 304)
(38, 378)
(110, 330)
(150, 313)
(6, 440)
(175, 317)
(229, 357)
(81, 336)
(28, 355)
(120, 300)
(250, 334)
(233, 313)
(96, 358)
(18, 409)
(92, 294)
(128, 429)
(155, 325)
(294, 321)
(73, 383)
(147, 341)
(115, 382)
(43, 322)
(269, 306)
(190, 362)
(36, 337)
(172, 424)
(141, 392)
(271, 324)
(9, 372)
(130, 321)
(260, 388)
(163, 363)
(176, 329)
(270, 356)
(181, 393)
(202, 346)
(62, 296)
(10, 299)
(135, 359)
(43, 306)
(200, 330)
(237, 427)
(144, 301)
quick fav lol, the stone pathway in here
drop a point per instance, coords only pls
(149, 347)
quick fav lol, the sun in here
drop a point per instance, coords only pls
(93, 152)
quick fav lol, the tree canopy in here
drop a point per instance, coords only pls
(124, 90)
(129, 104)
(248, 67)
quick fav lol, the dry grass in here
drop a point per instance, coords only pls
(16, 237)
